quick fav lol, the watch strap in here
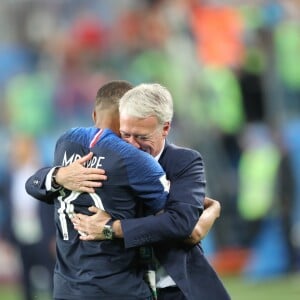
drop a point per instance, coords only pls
(54, 183)
(108, 226)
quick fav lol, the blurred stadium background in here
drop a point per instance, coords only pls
(233, 68)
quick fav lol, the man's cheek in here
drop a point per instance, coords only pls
(146, 149)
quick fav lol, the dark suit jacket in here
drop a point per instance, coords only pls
(185, 264)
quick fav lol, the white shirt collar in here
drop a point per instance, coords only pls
(157, 157)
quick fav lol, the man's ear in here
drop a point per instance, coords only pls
(166, 128)
(94, 116)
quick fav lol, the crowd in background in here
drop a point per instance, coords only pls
(233, 69)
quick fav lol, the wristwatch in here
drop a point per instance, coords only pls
(108, 231)
(54, 184)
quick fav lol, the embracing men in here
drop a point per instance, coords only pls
(146, 113)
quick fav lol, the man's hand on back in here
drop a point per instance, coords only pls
(91, 226)
(76, 177)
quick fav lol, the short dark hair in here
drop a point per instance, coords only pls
(110, 93)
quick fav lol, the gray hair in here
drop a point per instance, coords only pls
(147, 100)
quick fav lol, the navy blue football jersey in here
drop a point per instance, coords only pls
(103, 269)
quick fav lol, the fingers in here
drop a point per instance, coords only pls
(93, 179)
(208, 202)
(90, 227)
(85, 189)
(94, 173)
(79, 221)
(100, 216)
(83, 231)
(85, 158)
(79, 216)
(84, 235)
(94, 209)
(75, 220)
(88, 237)
(89, 186)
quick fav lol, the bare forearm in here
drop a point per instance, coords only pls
(205, 222)
(210, 214)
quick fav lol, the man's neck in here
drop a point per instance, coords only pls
(108, 123)
(157, 157)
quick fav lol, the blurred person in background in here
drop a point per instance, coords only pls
(265, 225)
(29, 224)
(258, 167)
(287, 203)
(286, 48)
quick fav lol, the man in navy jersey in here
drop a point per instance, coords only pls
(191, 275)
(106, 269)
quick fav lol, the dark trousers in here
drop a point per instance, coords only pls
(170, 293)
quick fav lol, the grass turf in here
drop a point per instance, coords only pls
(285, 287)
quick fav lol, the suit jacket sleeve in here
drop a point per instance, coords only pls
(185, 169)
(36, 187)
(36, 184)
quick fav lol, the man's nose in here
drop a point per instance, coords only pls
(133, 142)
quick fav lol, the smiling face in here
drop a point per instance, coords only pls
(146, 113)
(144, 133)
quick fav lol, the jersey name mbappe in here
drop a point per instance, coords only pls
(94, 162)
